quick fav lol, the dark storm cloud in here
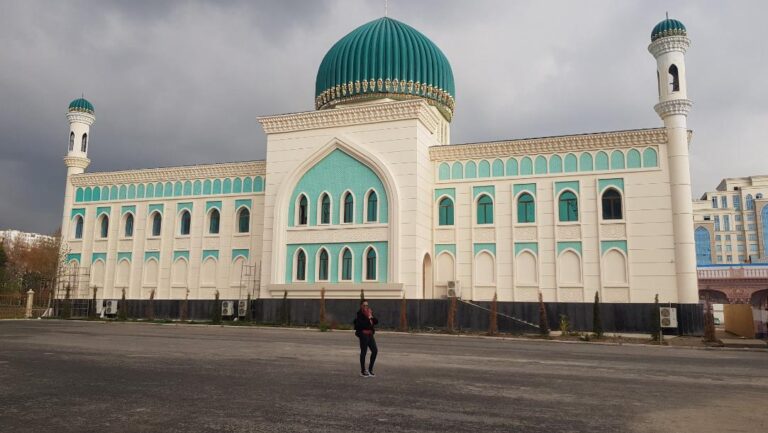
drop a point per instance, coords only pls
(182, 82)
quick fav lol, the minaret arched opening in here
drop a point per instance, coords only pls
(674, 79)
(84, 143)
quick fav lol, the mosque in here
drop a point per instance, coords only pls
(368, 192)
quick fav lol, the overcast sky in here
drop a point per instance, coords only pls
(178, 83)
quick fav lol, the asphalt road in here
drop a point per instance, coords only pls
(58, 376)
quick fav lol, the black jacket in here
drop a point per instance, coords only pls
(362, 322)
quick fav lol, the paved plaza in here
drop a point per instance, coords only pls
(68, 376)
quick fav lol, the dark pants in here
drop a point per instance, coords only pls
(367, 342)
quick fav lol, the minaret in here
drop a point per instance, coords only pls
(669, 42)
(81, 117)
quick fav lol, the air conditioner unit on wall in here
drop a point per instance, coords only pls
(110, 306)
(668, 317)
(242, 308)
(227, 308)
(454, 289)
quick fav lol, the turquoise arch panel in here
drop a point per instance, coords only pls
(152, 255)
(633, 159)
(131, 192)
(212, 204)
(210, 253)
(484, 169)
(140, 191)
(601, 161)
(237, 185)
(96, 194)
(617, 160)
(571, 163)
(99, 256)
(484, 189)
(184, 206)
(150, 191)
(240, 252)
(197, 188)
(618, 183)
(457, 171)
(124, 256)
(528, 187)
(444, 171)
(123, 194)
(78, 211)
(155, 207)
(470, 170)
(178, 189)
(562, 246)
(439, 248)
(541, 165)
(73, 256)
(88, 194)
(571, 184)
(521, 246)
(158, 189)
(484, 246)
(79, 195)
(451, 192)
(334, 251)
(227, 186)
(243, 202)
(498, 168)
(336, 173)
(248, 185)
(105, 193)
(187, 188)
(511, 167)
(103, 210)
(168, 190)
(217, 186)
(180, 254)
(526, 166)
(607, 245)
(113, 193)
(258, 184)
(650, 158)
(129, 208)
(555, 164)
(207, 187)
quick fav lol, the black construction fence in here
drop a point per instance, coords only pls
(422, 314)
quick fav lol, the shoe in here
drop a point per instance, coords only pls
(370, 374)
(365, 373)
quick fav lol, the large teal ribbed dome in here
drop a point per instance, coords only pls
(668, 27)
(385, 58)
(81, 104)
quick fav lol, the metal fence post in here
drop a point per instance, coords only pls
(30, 300)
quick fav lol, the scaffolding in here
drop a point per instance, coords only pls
(249, 282)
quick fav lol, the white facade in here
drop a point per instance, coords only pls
(8, 237)
(369, 194)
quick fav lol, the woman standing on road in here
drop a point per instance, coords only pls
(364, 330)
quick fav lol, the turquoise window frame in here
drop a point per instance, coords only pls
(325, 209)
(526, 208)
(243, 220)
(323, 265)
(348, 213)
(301, 265)
(373, 207)
(445, 212)
(370, 264)
(484, 209)
(185, 223)
(346, 264)
(214, 221)
(568, 206)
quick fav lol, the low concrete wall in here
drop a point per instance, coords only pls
(738, 320)
(426, 314)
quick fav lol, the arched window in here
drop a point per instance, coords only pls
(674, 79)
(373, 207)
(303, 210)
(526, 209)
(84, 143)
(243, 220)
(214, 219)
(128, 232)
(568, 207)
(703, 246)
(301, 266)
(322, 264)
(612, 205)
(485, 210)
(157, 224)
(346, 265)
(71, 141)
(750, 202)
(446, 212)
(104, 228)
(349, 207)
(370, 265)
(325, 209)
(186, 222)
(78, 227)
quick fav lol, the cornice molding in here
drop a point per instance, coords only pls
(565, 143)
(673, 107)
(669, 43)
(354, 115)
(81, 117)
(77, 161)
(191, 172)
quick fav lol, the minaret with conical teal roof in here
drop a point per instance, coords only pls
(81, 115)
(669, 43)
